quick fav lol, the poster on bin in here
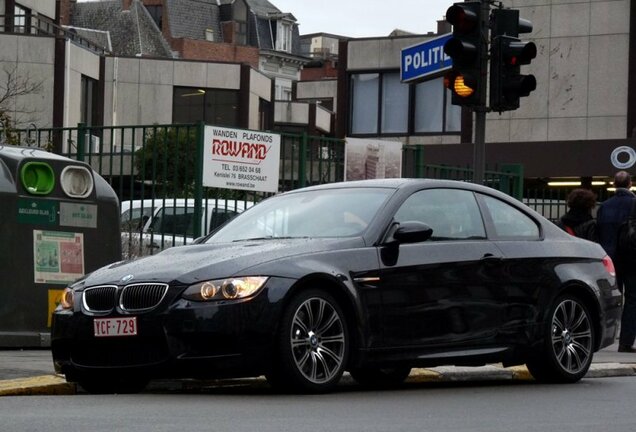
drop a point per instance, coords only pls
(241, 159)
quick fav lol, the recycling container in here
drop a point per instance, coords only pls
(59, 220)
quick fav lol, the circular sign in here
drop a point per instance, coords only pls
(631, 155)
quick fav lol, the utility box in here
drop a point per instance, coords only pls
(59, 220)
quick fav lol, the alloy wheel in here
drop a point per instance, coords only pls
(318, 340)
(571, 336)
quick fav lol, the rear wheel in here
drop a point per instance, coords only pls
(313, 344)
(569, 343)
(380, 377)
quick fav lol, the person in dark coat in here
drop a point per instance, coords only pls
(611, 214)
(578, 220)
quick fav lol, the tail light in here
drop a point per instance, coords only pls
(609, 265)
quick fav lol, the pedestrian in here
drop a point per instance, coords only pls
(611, 214)
(579, 221)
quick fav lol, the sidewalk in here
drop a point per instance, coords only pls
(30, 372)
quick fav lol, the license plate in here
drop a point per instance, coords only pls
(105, 327)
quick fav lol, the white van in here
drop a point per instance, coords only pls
(163, 223)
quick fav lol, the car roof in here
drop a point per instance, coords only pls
(401, 183)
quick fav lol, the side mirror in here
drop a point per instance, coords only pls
(412, 232)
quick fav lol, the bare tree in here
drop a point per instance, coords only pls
(12, 87)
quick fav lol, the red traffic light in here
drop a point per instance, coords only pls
(518, 53)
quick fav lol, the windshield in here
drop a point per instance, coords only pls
(320, 213)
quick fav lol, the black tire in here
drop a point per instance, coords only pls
(380, 377)
(113, 385)
(312, 346)
(568, 346)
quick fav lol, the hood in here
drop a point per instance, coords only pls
(190, 264)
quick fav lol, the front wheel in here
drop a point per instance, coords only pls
(568, 348)
(313, 344)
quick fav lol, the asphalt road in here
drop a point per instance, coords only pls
(601, 404)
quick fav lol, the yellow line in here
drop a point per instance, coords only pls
(39, 385)
(424, 375)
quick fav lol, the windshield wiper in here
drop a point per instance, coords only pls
(268, 238)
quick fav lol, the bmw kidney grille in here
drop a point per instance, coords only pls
(132, 298)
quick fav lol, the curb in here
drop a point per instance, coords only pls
(39, 385)
(57, 385)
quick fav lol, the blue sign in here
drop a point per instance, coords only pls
(424, 59)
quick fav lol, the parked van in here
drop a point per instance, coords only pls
(150, 226)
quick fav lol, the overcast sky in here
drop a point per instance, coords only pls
(362, 18)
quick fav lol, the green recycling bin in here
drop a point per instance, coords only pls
(59, 220)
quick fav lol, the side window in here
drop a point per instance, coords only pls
(453, 214)
(510, 222)
(134, 219)
(173, 220)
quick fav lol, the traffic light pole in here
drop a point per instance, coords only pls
(479, 155)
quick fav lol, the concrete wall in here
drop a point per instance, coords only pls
(260, 88)
(139, 90)
(291, 112)
(378, 54)
(79, 62)
(29, 58)
(42, 7)
(318, 90)
(581, 70)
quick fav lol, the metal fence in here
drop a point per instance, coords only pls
(162, 162)
(506, 178)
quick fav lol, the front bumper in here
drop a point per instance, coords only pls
(179, 338)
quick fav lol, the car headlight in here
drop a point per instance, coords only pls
(225, 289)
(67, 300)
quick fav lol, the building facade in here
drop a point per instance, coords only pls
(582, 111)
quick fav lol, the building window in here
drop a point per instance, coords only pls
(382, 105)
(218, 107)
(364, 119)
(264, 114)
(428, 95)
(89, 112)
(21, 19)
(282, 35)
(395, 104)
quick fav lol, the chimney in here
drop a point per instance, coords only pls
(125, 4)
(66, 12)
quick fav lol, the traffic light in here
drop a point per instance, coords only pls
(508, 54)
(465, 49)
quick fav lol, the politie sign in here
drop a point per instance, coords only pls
(424, 59)
(241, 159)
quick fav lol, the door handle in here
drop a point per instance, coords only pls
(491, 259)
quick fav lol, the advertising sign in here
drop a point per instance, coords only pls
(58, 257)
(372, 159)
(241, 159)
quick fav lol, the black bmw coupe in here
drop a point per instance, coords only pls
(372, 277)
